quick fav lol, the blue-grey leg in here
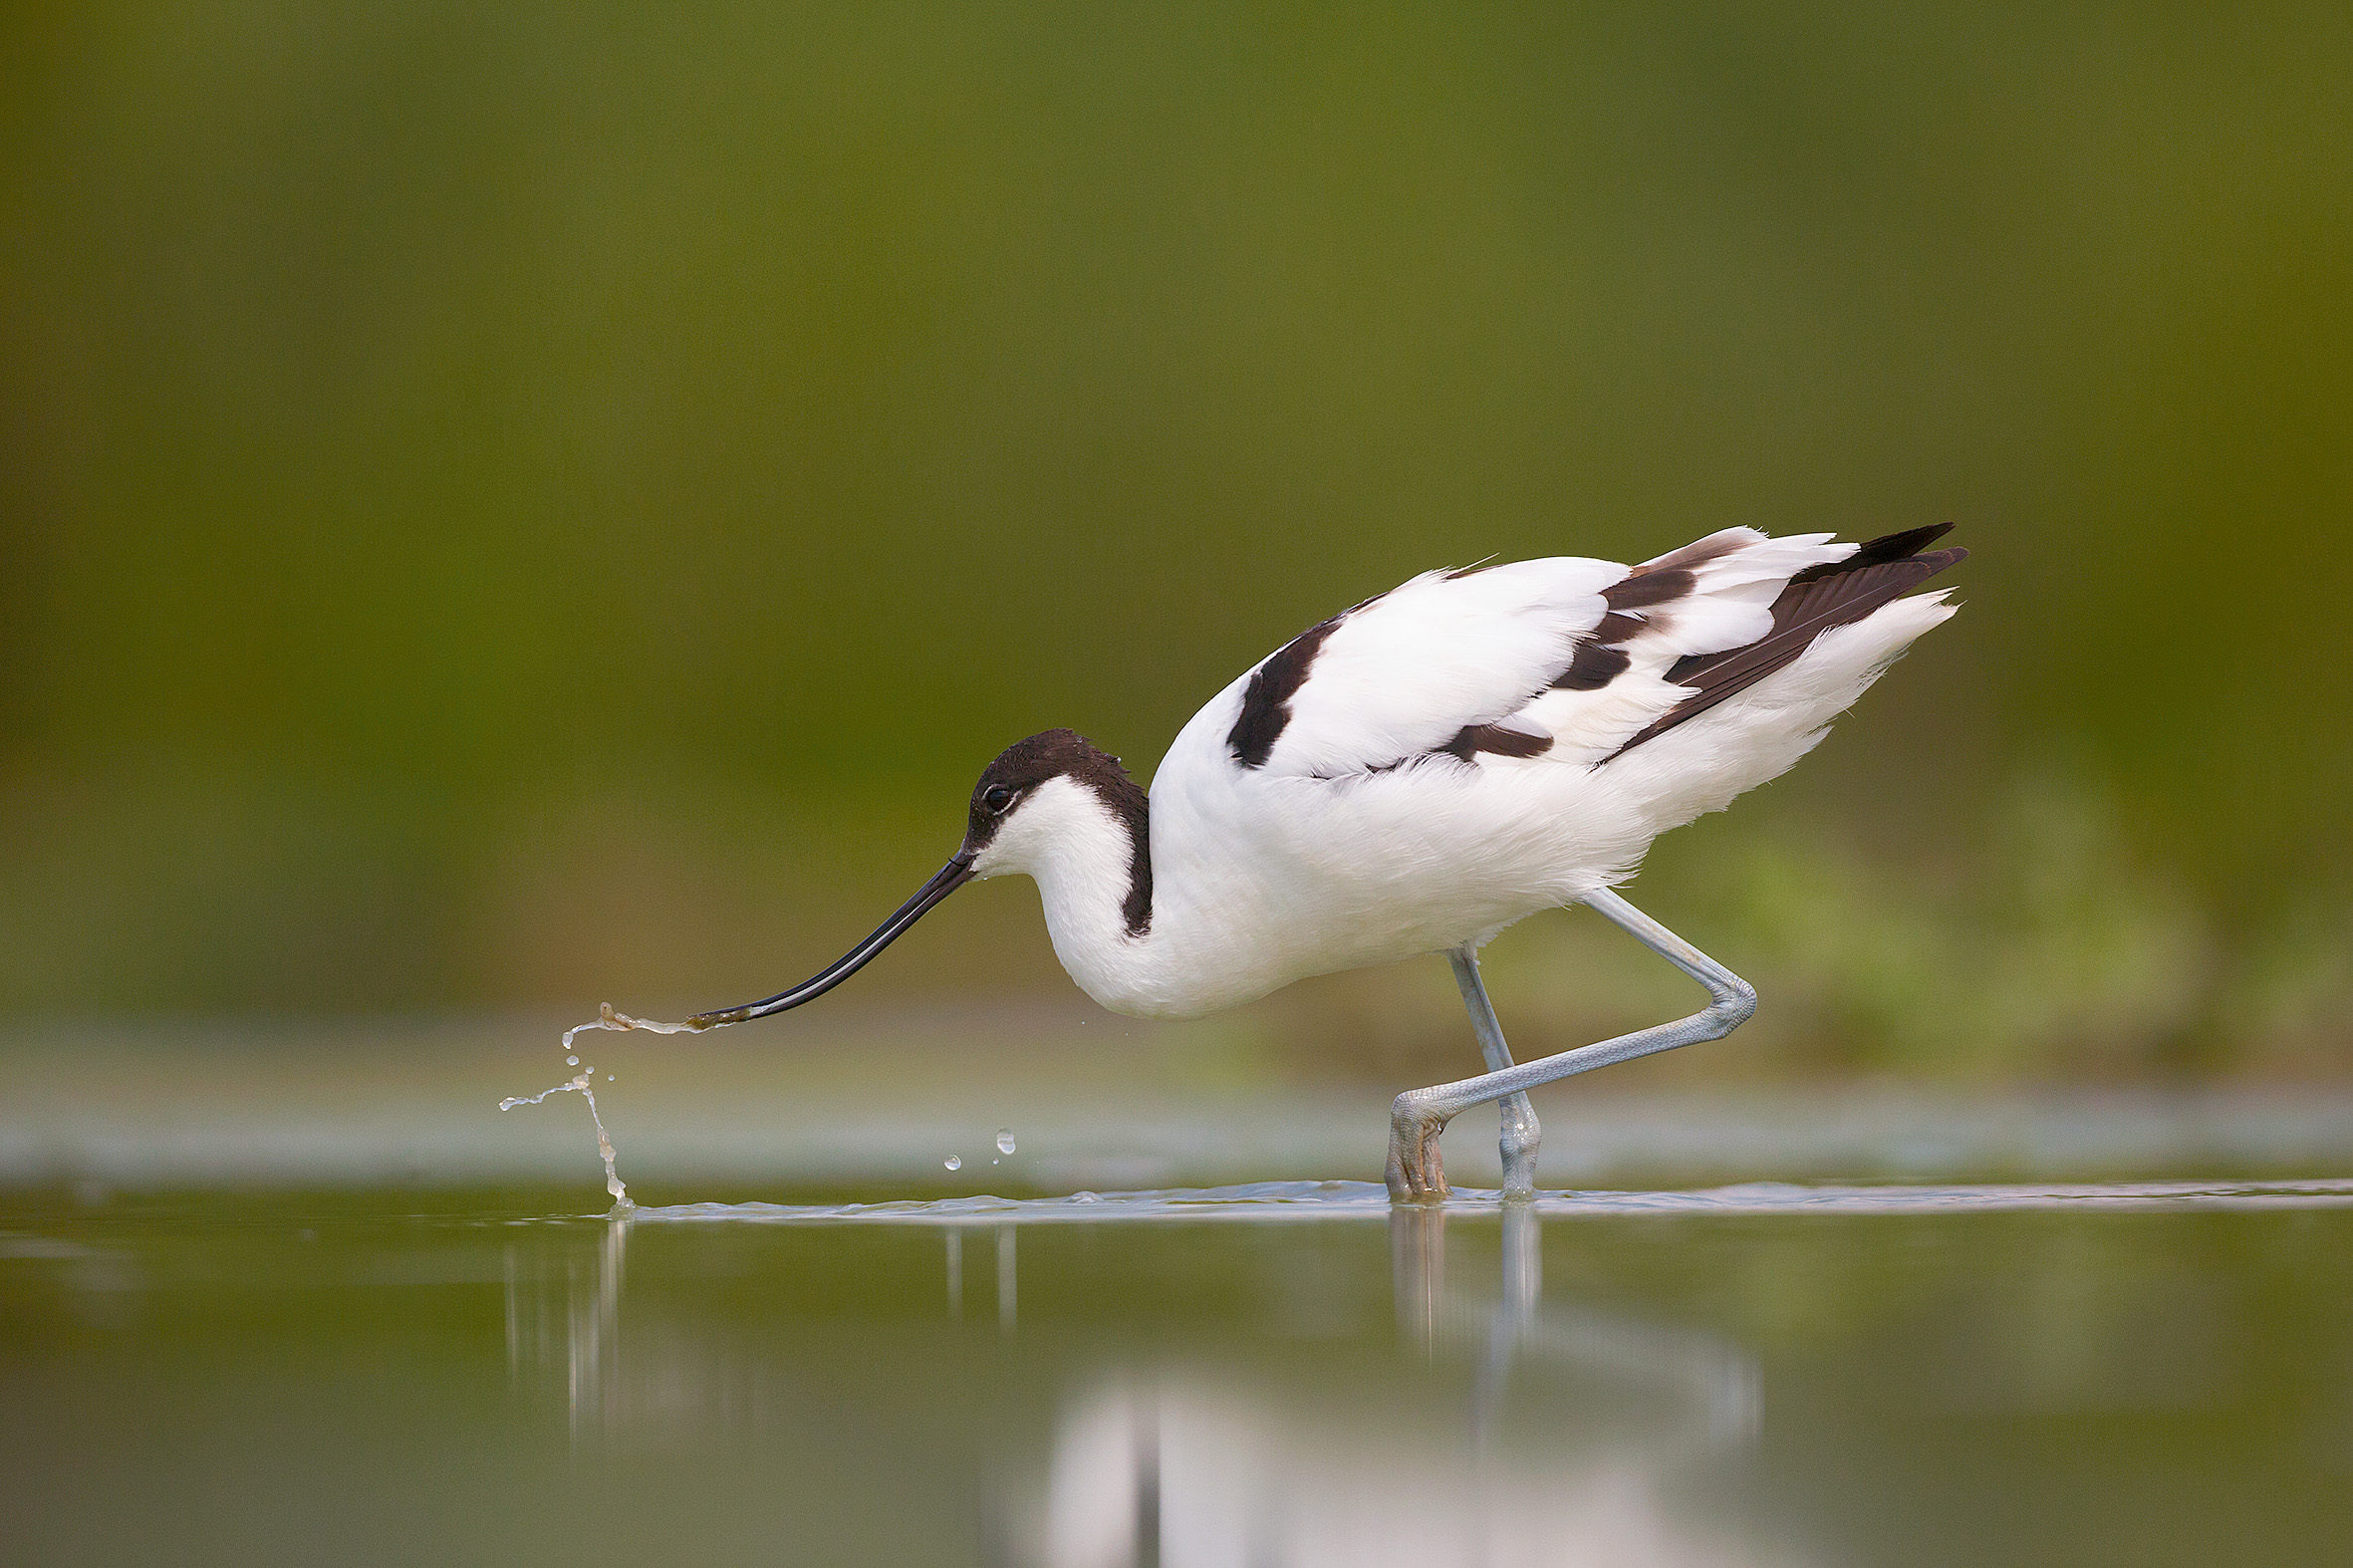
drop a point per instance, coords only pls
(1416, 1174)
(1521, 1131)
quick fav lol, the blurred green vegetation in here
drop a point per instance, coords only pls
(512, 505)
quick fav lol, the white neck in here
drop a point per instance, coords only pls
(1084, 858)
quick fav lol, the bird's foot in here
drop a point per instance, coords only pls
(1417, 1172)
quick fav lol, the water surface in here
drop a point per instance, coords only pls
(1769, 1374)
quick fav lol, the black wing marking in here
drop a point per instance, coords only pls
(1816, 600)
(1267, 702)
(1501, 739)
(1636, 602)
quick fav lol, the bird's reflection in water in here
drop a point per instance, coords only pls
(1713, 1386)
(1494, 1427)
(1577, 1426)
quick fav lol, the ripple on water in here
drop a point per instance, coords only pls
(1271, 1201)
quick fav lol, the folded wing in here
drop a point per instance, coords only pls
(1562, 659)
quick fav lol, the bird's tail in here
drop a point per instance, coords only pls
(1755, 711)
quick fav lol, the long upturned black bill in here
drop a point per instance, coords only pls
(952, 876)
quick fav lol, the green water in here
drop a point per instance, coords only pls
(1753, 1379)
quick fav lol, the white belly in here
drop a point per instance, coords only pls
(1287, 878)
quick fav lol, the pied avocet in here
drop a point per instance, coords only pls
(1420, 771)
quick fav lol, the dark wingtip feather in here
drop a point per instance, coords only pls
(1886, 548)
(1815, 601)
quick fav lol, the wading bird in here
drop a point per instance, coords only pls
(1420, 773)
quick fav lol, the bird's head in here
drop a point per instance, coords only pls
(1044, 797)
(1041, 798)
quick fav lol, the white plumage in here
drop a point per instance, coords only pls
(1333, 856)
(1419, 772)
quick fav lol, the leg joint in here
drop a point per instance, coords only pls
(1735, 1000)
(1417, 1110)
(1732, 1002)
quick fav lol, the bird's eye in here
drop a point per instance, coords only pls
(996, 797)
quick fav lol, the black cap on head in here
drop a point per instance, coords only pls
(1021, 767)
(1065, 753)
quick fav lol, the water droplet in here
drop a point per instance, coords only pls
(608, 1078)
(953, 1163)
(571, 1061)
(1004, 1139)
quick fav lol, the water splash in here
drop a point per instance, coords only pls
(606, 1019)
(612, 1181)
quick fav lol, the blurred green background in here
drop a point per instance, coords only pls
(507, 506)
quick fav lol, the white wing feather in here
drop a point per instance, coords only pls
(1404, 676)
